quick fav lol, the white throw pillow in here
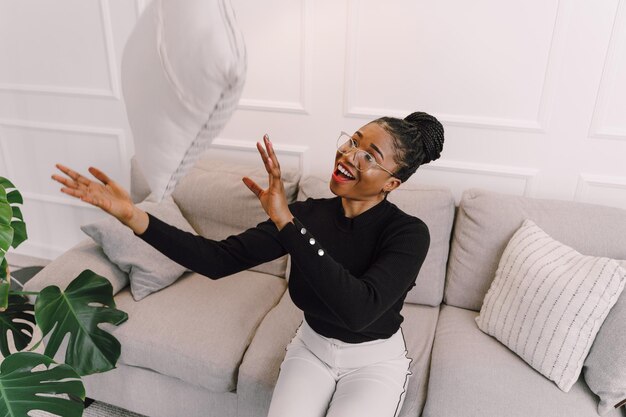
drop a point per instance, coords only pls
(148, 269)
(548, 301)
(183, 70)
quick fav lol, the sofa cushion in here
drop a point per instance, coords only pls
(217, 203)
(183, 70)
(435, 206)
(148, 269)
(198, 329)
(605, 366)
(547, 302)
(472, 374)
(149, 393)
(86, 254)
(261, 363)
(486, 221)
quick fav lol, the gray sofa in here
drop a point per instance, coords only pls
(204, 347)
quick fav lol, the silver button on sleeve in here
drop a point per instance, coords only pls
(303, 231)
(312, 241)
(320, 252)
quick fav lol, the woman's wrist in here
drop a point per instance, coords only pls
(138, 222)
(283, 220)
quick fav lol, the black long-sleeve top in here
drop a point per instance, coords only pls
(349, 276)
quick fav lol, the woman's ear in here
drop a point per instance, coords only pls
(391, 184)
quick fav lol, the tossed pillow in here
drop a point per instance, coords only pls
(183, 71)
(548, 301)
(148, 269)
(605, 366)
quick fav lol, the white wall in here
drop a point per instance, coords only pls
(532, 94)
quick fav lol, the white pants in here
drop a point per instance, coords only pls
(322, 376)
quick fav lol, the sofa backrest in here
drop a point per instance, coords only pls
(218, 204)
(486, 220)
(435, 206)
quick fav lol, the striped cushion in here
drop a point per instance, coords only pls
(548, 301)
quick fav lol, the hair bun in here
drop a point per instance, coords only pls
(431, 132)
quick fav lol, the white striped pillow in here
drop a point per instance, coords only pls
(548, 301)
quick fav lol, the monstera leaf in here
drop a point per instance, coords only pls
(12, 226)
(90, 349)
(22, 330)
(22, 389)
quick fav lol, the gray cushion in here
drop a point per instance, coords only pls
(217, 203)
(486, 221)
(435, 206)
(198, 329)
(605, 366)
(472, 374)
(150, 393)
(86, 254)
(148, 269)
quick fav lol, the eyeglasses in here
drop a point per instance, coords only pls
(363, 160)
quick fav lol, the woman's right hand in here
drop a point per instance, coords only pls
(109, 195)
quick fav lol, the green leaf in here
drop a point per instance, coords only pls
(4, 295)
(3, 266)
(6, 183)
(23, 390)
(6, 237)
(17, 213)
(6, 213)
(19, 233)
(90, 349)
(3, 195)
(14, 197)
(22, 330)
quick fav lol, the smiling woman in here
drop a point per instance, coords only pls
(355, 257)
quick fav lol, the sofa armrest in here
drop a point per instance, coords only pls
(258, 371)
(84, 255)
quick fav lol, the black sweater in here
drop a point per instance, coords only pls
(349, 276)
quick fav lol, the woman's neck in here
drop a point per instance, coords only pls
(353, 208)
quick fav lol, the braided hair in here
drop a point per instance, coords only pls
(417, 140)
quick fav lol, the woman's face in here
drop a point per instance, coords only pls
(367, 185)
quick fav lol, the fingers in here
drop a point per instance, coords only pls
(271, 153)
(99, 175)
(253, 186)
(269, 158)
(73, 174)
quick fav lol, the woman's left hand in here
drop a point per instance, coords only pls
(273, 199)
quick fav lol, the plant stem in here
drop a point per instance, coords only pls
(24, 293)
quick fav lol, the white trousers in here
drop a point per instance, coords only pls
(321, 376)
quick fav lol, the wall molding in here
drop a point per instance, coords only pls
(588, 181)
(281, 149)
(617, 42)
(303, 105)
(117, 134)
(113, 92)
(545, 105)
(522, 173)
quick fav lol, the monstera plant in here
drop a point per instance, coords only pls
(33, 381)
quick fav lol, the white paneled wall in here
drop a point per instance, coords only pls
(532, 94)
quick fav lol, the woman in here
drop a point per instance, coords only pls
(354, 258)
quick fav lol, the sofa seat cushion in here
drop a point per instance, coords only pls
(197, 329)
(472, 374)
(261, 364)
(418, 328)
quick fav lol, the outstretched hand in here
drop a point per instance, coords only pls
(273, 199)
(106, 194)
